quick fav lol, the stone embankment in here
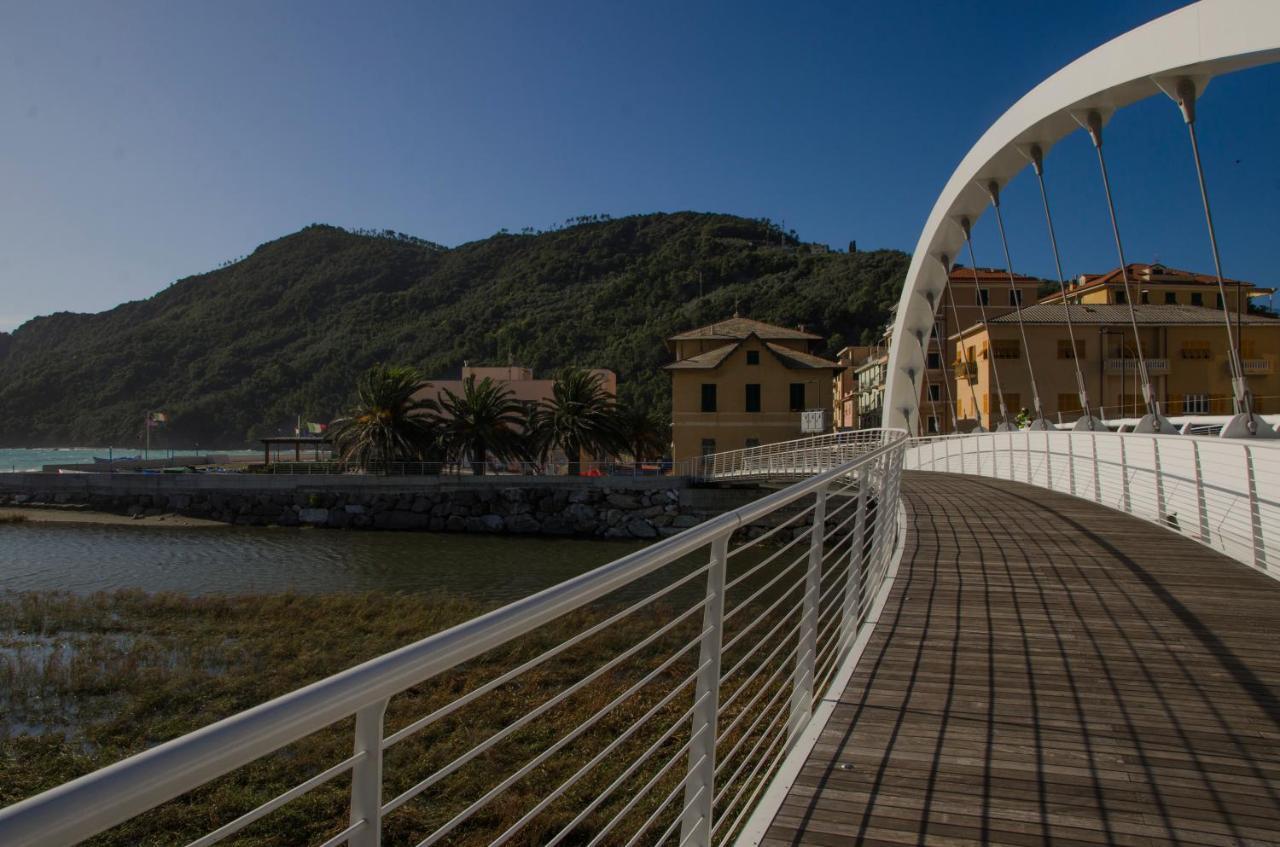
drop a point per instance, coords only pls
(589, 510)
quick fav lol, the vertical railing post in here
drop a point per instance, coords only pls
(1255, 512)
(1027, 442)
(1202, 504)
(1048, 460)
(1071, 463)
(807, 649)
(1097, 467)
(366, 777)
(857, 552)
(700, 781)
(1125, 502)
(1155, 457)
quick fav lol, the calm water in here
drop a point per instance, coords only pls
(35, 458)
(85, 558)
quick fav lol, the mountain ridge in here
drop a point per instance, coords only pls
(240, 351)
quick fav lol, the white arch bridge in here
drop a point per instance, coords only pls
(1010, 637)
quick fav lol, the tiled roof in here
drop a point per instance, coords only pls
(703, 361)
(1156, 274)
(1118, 313)
(961, 274)
(797, 360)
(738, 328)
(793, 359)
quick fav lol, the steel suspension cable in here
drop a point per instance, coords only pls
(982, 309)
(1094, 127)
(1244, 402)
(1037, 164)
(993, 189)
(960, 348)
(942, 366)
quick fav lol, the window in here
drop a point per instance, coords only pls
(1015, 297)
(1120, 296)
(1068, 403)
(984, 296)
(753, 397)
(708, 446)
(1171, 298)
(932, 425)
(797, 396)
(1196, 350)
(935, 360)
(1195, 404)
(1197, 299)
(1146, 298)
(1065, 352)
(752, 442)
(1007, 348)
(935, 393)
(708, 397)
(1218, 300)
(753, 357)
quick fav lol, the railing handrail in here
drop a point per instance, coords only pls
(112, 795)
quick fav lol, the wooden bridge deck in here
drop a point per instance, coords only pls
(1048, 671)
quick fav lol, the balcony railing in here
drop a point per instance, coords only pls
(1155, 367)
(1258, 367)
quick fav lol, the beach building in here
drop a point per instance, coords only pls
(741, 383)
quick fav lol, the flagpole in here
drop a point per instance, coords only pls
(146, 450)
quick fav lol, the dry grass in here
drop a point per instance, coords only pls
(86, 681)
(13, 519)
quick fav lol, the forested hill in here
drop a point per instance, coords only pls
(243, 350)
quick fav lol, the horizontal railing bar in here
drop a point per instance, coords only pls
(742, 633)
(769, 559)
(497, 682)
(635, 766)
(670, 796)
(542, 708)
(342, 836)
(648, 786)
(276, 802)
(674, 823)
(752, 542)
(559, 744)
(765, 735)
(600, 756)
(746, 710)
(764, 639)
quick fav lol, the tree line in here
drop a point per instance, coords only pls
(390, 421)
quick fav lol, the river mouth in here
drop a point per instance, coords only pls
(88, 558)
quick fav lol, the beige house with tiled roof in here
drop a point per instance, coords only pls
(741, 383)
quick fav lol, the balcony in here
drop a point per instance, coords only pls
(1155, 367)
(1258, 367)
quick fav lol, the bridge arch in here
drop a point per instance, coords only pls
(1195, 44)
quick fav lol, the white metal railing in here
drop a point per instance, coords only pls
(1223, 493)
(680, 675)
(684, 467)
(793, 459)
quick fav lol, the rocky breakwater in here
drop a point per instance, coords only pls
(599, 512)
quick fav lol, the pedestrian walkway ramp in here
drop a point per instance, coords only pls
(1051, 671)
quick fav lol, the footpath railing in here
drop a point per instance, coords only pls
(1223, 493)
(791, 459)
(685, 467)
(650, 700)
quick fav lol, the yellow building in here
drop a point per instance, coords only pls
(1159, 285)
(1185, 348)
(741, 383)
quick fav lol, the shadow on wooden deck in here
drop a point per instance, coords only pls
(1049, 671)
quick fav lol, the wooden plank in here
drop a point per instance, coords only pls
(1049, 671)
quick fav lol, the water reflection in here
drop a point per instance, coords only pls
(85, 558)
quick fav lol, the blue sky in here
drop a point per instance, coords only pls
(143, 142)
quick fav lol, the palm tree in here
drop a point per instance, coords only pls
(579, 416)
(387, 424)
(484, 419)
(645, 433)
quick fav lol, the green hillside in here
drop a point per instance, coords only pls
(243, 350)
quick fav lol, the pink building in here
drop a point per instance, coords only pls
(519, 380)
